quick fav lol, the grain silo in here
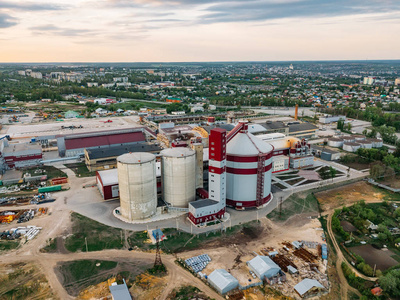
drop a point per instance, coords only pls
(248, 169)
(137, 185)
(178, 176)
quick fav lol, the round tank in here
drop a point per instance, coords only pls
(358, 138)
(349, 139)
(137, 185)
(376, 143)
(243, 153)
(351, 147)
(178, 176)
(335, 142)
(365, 144)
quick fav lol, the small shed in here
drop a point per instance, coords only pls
(159, 233)
(263, 267)
(222, 281)
(120, 291)
(307, 287)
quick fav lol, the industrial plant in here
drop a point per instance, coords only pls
(201, 171)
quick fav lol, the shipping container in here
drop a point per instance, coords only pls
(47, 189)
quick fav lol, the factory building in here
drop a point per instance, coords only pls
(301, 130)
(327, 119)
(107, 183)
(21, 155)
(288, 152)
(75, 144)
(103, 158)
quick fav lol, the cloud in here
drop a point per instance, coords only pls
(29, 6)
(7, 21)
(62, 31)
(262, 10)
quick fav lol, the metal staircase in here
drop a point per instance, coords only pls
(260, 178)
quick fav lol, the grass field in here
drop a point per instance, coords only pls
(98, 236)
(8, 245)
(294, 205)
(78, 275)
(50, 247)
(80, 169)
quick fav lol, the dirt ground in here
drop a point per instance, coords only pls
(23, 281)
(147, 286)
(233, 256)
(73, 287)
(372, 256)
(348, 194)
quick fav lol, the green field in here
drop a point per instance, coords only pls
(98, 236)
(80, 169)
(8, 245)
(294, 205)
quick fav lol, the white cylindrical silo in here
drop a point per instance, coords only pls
(137, 185)
(365, 144)
(351, 147)
(178, 176)
(335, 142)
(349, 139)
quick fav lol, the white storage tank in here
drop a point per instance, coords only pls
(349, 139)
(376, 143)
(365, 144)
(358, 137)
(178, 176)
(137, 185)
(335, 142)
(351, 147)
(243, 153)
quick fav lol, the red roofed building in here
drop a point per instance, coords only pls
(74, 144)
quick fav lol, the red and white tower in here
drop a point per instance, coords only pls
(217, 166)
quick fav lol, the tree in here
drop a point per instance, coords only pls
(390, 283)
(332, 172)
(324, 173)
(377, 170)
(349, 126)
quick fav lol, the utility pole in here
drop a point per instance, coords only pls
(280, 206)
(86, 244)
(374, 271)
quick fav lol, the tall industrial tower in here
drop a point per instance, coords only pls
(217, 166)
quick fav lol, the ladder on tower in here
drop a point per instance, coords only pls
(260, 178)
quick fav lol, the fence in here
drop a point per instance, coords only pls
(245, 287)
(383, 186)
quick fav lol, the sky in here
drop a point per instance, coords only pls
(198, 30)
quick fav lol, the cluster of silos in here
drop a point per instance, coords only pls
(335, 142)
(178, 167)
(137, 185)
(351, 146)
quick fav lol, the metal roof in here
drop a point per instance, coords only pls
(109, 177)
(263, 264)
(307, 284)
(222, 279)
(102, 140)
(177, 152)
(273, 125)
(117, 150)
(203, 203)
(301, 127)
(120, 292)
(227, 127)
(246, 144)
(136, 158)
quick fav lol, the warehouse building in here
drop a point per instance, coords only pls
(325, 153)
(308, 287)
(264, 267)
(331, 119)
(302, 130)
(222, 281)
(103, 158)
(75, 144)
(22, 155)
(107, 183)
